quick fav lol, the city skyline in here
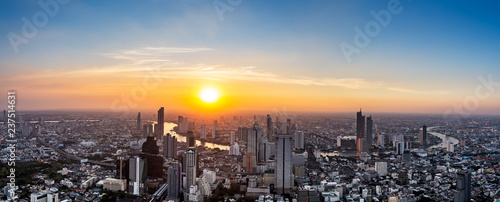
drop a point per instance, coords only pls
(421, 62)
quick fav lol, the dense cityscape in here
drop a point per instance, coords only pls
(249, 101)
(77, 156)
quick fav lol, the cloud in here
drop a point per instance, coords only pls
(143, 61)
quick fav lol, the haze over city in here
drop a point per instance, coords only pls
(249, 101)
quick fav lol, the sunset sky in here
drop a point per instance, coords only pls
(260, 55)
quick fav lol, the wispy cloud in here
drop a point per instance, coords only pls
(142, 61)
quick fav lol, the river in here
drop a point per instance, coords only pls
(443, 137)
(169, 128)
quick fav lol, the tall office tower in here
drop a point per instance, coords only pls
(232, 135)
(138, 173)
(183, 127)
(249, 161)
(174, 181)
(171, 146)
(234, 149)
(369, 130)
(180, 121)
(424, 136)
(361, 143)
(166, 140)
(161, 122)
(360, 125)
(380, 140)
(450, 147)
(243, 134)
(400, 147)
(213, 130)
(288, 126)
(254, 136)
(299, 140)
(463, 191)
(190, 141)
(203, 132)
(190, 159)
(283, 171)
(151, 152)
(270, 132)
(139, 121)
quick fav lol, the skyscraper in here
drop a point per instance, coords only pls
(254, 135)
(190, 141)
(161, 121)
(361, 142)
(243, 134)
(174, 181)
(360, 125)
(299, 140)
(380, 140)
(191, 164)
(283, 171)
(463, 192)
(171, 146)
(151, 152)
(138, 172)
(369, 130)
(422, 138)
(139, 121)
(232, 136)
(203, 132)
(269, 126)
(450, 147)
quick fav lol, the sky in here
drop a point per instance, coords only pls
(402, 56)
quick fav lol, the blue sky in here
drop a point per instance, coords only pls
(431, 46)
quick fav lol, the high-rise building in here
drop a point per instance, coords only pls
(190, 141)
(213, 130)
(380, 140)
(254, 135)
(422, 138)
(166, 139)
(361, 142)
(369, 130)
(283, 171)
(381, 168)
(191, 166)
(234, 149)
(400, 148)
(360, 125)
(450, 147)
(151, 152)
(139, 121)
(161, 122)
(203, 132)
(138, 172)
(232, 136)
(299, 140)
(270, 132)
(174, 181)
(463, 191)
(243, 134)
(171, 149)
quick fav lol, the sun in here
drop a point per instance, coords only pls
(209, 95)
